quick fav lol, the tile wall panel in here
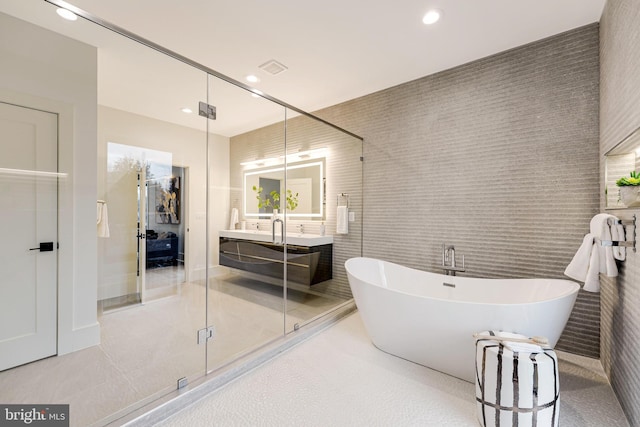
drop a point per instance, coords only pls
(498, 157)
(619, 115)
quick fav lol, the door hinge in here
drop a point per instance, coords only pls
(205, 334)
(182, 383)
(206, 110)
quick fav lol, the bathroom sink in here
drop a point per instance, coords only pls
(303, 239)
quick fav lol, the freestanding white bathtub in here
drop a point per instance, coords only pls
(430, 318)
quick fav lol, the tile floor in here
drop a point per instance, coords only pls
(145, 348)
(338, 378)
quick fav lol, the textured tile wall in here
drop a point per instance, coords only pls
(619, 115)
(498, 157)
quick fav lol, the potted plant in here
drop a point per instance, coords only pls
(629, 189)
(273, 199)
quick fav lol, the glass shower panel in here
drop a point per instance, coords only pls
(246, 280)
(151, 177)
(323, 192)
(152, 169)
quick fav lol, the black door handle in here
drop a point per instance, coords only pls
(44, 247)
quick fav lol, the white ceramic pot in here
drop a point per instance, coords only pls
(630, 195)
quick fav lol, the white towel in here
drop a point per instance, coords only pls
(591, 259)
(579, 265)
(103, 219)
(342, 220)
(592, 280)
(599, 227)
(234, 219)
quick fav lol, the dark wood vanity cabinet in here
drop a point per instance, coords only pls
(306, 265)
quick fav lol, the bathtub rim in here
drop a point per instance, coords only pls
(575, 286)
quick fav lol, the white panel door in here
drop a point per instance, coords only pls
(28, 217)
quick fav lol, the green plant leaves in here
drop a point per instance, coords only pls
(632, 179)
(273, 199)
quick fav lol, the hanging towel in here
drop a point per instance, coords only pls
(591, 259)
(234, 219)
(592, 280)
(600, 228)
(579, 265)
(342, 220)
(103, 219)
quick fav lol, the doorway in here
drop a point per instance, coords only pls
(148, 217)
(29, 226)
(163, 214)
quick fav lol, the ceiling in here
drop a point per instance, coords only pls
(335, 50)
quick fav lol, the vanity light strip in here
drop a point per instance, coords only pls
(290, 158)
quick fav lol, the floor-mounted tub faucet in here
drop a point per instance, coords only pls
(449, 256)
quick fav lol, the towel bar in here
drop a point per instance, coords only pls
(626, 243)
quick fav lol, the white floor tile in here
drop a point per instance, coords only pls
(338, 378)
(145, 348)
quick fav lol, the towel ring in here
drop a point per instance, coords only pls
(345, 199)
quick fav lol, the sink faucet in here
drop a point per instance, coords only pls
(257, 226)
(301, 228)
(273, 231)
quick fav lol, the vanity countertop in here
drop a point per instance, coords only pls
(301, 239)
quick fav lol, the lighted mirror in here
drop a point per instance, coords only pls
(303, 197)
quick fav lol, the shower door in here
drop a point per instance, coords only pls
(274, 273)
(152, 172)
(323, 171)
(246, 284)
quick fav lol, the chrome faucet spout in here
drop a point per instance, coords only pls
(449, 254)
(449, 260)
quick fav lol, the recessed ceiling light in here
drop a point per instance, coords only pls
(186, 110)
(66, 14)
(432, 16)
(252, 79)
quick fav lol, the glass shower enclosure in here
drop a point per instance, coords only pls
(229, 225)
